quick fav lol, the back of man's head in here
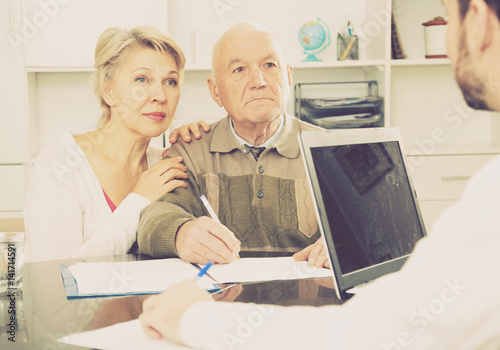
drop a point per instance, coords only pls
(474, 50)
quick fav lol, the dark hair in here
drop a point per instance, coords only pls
(493, 4)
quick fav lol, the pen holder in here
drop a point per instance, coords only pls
(347, 47)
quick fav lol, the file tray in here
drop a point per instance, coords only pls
(348, 121)
(331, 107)
(339, 104)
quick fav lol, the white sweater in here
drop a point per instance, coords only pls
(445, 297)
(66, 213)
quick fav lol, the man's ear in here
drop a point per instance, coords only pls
(107, 95)
(289, 73)
(479, 27)
(214, 91)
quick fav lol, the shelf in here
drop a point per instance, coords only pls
(421, 62)
(194, 67)
(297, 65)
(308, 65)
(13, 214)
(339, 64)
(189, 68)
(452, 150)
(58, 69)
(91, 69)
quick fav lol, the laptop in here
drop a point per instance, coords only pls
(365, 202)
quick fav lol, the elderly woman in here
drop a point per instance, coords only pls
(87, 191)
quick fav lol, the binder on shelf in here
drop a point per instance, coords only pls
(339, 105)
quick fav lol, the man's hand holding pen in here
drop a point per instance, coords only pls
(203, 239)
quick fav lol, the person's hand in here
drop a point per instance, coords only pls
(161, 178)
(162, 313)
(186, 130)
(202, 240)
(325, 282)
(112, 311)
(228, 294)
(315, 255)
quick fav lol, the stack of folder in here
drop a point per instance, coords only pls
(342, 112)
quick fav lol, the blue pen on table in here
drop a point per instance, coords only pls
(204, 270)
(213, 215)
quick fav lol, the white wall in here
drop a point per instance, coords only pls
(66, 102)
(423, 116)
(281, 17)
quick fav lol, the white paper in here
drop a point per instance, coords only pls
(266, 269)
(154, 276)
(121, 336)
(145, 276)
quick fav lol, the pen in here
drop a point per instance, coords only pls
(204, 270)
(213, 215)
(347, 49)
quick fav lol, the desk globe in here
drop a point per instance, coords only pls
(314, 36)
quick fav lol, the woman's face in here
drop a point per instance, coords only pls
(144, 96)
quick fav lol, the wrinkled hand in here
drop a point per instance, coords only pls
(162, 313)
(315, 255)
(202, 240)
(186, 130)
(161, 178)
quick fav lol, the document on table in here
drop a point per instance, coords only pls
(134, 277)
(154, 276)
(266, 269)
(121, 336)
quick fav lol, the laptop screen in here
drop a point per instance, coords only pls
(368, 202)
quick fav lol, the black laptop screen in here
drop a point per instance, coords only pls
(368, 202)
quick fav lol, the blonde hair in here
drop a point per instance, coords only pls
(112, 49)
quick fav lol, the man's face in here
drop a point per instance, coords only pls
(470, 83)
(251, 80)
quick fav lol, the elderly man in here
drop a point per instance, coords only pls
(249, 166)
(444, 297)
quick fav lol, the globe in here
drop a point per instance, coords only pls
(314, 36)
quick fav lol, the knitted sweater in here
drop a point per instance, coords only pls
(266, 203)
